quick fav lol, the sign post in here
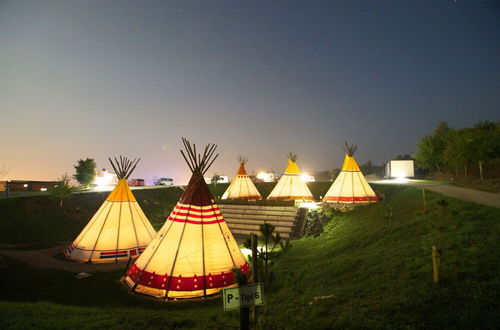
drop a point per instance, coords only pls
(243, 296)
(255, 271)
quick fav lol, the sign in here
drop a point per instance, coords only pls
(243, 296)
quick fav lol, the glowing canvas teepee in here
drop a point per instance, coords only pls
(242, 187)
(291, 186)
(350, 186)
(194, 252)
(119, 229)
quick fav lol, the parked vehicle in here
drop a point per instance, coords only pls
(136, 182)
(164, 182)
(220, 179)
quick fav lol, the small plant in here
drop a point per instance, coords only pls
(387, 208)
(62, 190)
(439, 222)
(316, 221)
(267, 252)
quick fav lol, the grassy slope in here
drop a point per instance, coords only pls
(40, 222)
(379, 276)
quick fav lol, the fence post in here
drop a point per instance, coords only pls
(435, 263)
(255, 271)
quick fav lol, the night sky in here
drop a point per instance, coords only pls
(102, 78)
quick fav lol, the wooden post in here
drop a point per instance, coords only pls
(425, 201)
(435, 263)
(255, 271)
(244, 312)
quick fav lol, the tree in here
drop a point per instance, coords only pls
(215, 179)
(367, 168)
(333, 173)
(63, 189)
(457, 152)
(85, 171)
(484, 142)
(404, 157)
(430, 148)
(428, 153)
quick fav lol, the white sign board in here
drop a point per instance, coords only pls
(243, 296)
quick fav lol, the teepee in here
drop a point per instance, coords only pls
(242, 187)
(291, 186)
(194, 252)
(119, 229)
(350, 186)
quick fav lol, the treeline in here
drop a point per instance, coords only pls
(456, 150)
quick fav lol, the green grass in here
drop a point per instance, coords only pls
(489, 185)
(381, 277)
(38, 221)
(378, 276)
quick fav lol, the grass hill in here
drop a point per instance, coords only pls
(366, 270)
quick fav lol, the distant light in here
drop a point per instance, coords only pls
(307, 178)
(400, 179)
(104, 180)
(265, 176)
(25, 185)
(43, 189)
(246, 252)
(309, 205)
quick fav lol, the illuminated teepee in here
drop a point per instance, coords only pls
(119, 229)
(194, 252)
(242, 187)
(291, 186)
(350, 186)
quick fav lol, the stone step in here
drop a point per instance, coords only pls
(261, 218)
(248, 208)
(245, 232)
(257, 212)
(275, 223)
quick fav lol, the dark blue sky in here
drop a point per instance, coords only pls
(100, 78)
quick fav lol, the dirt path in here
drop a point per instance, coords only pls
(466, 194)
(44, 259)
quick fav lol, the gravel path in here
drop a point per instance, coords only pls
(44, 259)
(466, 194)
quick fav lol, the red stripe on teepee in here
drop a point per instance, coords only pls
(194, 222)
(351, 199)
(113, 252)
(181, 283)
(196, 208)
(185, 214)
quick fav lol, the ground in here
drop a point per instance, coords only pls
(466, 194)
(370, 268)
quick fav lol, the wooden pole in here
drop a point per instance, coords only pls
(425, 202)
(255, 271)
(435, 263)
(244, 312)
